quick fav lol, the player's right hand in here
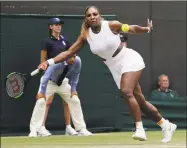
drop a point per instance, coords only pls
(43, 66)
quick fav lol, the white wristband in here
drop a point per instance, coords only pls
(149, 29)
(51, 61)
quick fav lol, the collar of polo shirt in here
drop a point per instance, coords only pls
(52, 37)
(161, 90)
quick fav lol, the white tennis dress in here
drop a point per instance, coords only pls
(105, 43)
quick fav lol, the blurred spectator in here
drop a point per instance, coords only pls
(163, 90)
(124, 39)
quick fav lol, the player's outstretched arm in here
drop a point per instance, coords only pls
(64, 55)
(117, 26)
(75, 48)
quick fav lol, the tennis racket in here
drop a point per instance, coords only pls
(16, 82)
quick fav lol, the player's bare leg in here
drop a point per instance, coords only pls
(128, 83)
(151, 112)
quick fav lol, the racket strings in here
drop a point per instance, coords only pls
(15, 85)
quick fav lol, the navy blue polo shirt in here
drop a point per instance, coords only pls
(54, 46)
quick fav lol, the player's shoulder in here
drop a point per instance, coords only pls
(110, 21)
(114, 23)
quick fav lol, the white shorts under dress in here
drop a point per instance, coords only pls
(127, 60)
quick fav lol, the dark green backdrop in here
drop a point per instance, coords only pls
(103, 108)
(21, 40)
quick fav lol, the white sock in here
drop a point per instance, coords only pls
(68, 126)
(38, 114)
(139, 125)
(163, 123)
(43, 127)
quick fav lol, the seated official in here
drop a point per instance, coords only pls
(163, 90)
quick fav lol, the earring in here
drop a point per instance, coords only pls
(86, 24)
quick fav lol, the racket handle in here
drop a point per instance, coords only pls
(35, 72)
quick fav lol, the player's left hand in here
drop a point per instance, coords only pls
(150, 24)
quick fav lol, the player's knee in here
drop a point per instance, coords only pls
(127, 92)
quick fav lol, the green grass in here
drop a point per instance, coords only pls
(116, 140)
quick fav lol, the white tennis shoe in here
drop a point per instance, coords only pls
(33, 134)
(43, 132)
(139, 135)
(168, 133)
(84, 132)
(70, 131)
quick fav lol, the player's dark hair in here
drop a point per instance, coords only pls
(85, 26)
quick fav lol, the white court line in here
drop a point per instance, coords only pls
(107, 146)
